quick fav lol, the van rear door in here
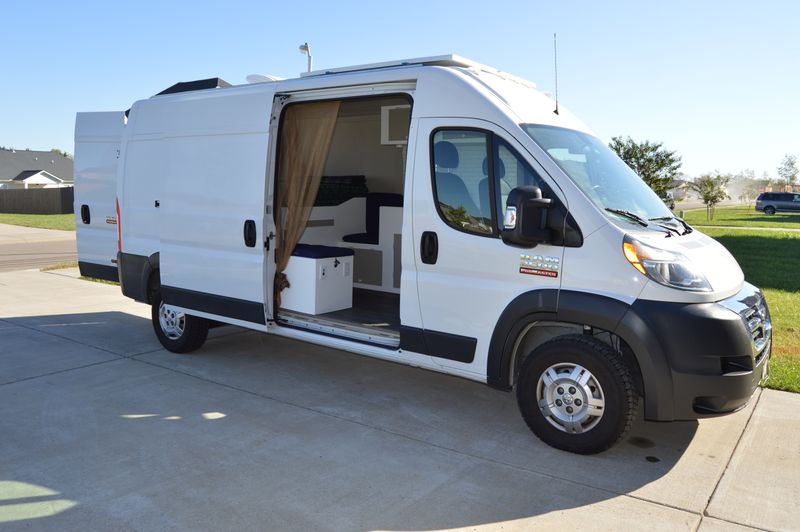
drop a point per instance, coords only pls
(97, 143)
(213, 231)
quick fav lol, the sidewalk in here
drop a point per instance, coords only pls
(17, 234)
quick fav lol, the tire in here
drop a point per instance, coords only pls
(769, 210)
(177, 332)
(581, 373)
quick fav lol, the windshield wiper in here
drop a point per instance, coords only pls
(686, 228)
(629, 215)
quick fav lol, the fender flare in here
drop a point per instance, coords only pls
(585, 309)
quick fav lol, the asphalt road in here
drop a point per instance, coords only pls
(24, 248)
(29, 255)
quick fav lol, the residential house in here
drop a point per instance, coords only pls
(34, 169)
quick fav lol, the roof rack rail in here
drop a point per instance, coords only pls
(434, 60)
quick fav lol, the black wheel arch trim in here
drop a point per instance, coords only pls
(585, 309)
(134, 273)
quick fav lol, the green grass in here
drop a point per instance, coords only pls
(65, 222)
(743, 216)
(770, 261)
(60, 266)
(74, 264)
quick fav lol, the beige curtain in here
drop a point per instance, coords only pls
(306, 135)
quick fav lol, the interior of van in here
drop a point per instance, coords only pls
(339, 194)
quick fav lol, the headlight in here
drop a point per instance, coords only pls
(664, 267)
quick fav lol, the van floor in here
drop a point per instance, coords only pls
(374, 317)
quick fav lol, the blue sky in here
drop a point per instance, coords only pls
(719, 82)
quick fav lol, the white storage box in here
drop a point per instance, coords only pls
(320, 279)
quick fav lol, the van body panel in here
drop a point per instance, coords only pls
(97, 145)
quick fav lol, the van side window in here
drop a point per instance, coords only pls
(510, 171)
(459, 160)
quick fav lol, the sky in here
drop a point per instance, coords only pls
(716, 81)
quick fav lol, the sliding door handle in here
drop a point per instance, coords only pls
(250, 233)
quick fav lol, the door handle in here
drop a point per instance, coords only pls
(86, 216)
(250, 233)
(429, 247)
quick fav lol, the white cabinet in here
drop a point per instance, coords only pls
(318, 285)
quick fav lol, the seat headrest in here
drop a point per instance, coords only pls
(499, 168)
(445, 154)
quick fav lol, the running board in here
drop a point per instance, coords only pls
(321, 324)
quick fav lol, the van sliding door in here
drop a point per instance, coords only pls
(213, 234)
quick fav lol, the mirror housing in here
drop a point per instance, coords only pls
(525, 223)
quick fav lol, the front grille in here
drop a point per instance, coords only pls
(756, 318)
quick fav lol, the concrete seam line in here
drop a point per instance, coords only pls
(60, 371)
(411, 438)
(733, 452)
(751, 527)
(63, 338)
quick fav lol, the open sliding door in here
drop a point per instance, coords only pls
(214, 236)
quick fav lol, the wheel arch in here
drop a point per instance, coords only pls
(639, 346)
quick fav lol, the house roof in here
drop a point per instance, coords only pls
(13, 163)
(30, 173)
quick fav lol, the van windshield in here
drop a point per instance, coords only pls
(599, 172)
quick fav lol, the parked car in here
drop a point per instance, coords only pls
(772, 202)
(464, 228)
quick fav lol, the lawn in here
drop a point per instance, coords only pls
(65, 222)
(770, 260)
(743, 216)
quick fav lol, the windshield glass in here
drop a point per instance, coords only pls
(599, 172)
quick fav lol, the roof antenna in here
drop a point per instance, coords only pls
(555, 66)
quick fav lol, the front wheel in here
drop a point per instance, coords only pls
(177, 332)
(576, 394)
(769, 210)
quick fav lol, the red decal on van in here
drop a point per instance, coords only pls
(534, 271)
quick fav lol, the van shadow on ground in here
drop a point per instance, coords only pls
(261, 431)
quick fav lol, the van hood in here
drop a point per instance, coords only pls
(717, 264)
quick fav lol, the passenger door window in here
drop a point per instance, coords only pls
(510, 172)
(461, 181)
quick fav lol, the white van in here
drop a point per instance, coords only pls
(433, 212)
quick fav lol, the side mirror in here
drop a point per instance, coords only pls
(525, 224)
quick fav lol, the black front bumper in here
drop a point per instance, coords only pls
(712, 355)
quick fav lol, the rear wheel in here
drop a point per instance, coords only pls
(177, 332)
(576, 394)
(770, 210)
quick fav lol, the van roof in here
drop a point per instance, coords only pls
(448, 60)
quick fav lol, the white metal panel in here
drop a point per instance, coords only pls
(97, 143)
(214, 179)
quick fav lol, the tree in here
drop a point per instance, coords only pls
(657, 166)
(744, 185)
(788, 169)
(711, 189)
(61, 153)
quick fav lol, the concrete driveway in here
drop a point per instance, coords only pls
(101, 429)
